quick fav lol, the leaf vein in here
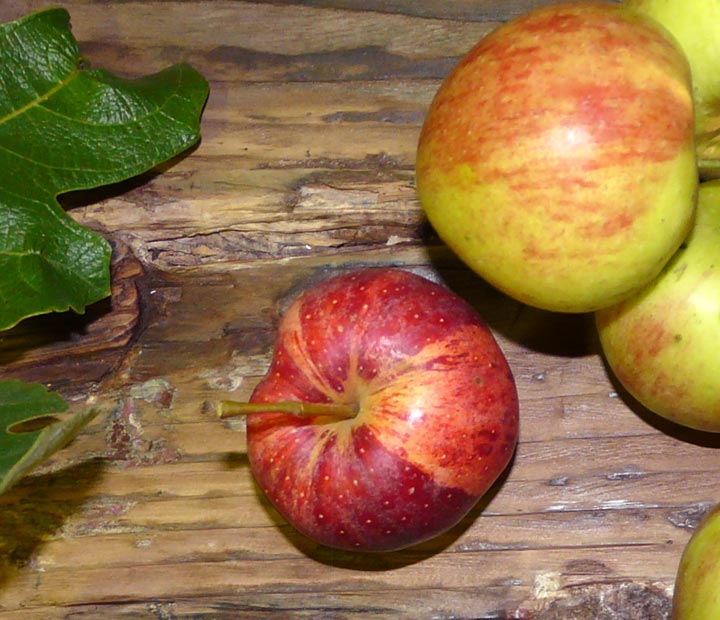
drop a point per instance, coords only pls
(40, 99)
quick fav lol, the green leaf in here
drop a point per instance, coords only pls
(20, 451)
(65, 127)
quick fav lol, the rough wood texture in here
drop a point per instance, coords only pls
(305, 168)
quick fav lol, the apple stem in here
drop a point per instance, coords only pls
(232, 408)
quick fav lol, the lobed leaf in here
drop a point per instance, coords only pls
(66, 127)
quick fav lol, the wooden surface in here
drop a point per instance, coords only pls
(306, 168)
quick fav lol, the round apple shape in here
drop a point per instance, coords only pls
(557, 159)
(388, 410)
(696, 26)
(697, 586)
(663, 344)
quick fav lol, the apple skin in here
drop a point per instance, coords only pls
(663, 344)
(697, 585)
(695, 24)
(557, 159)
(437, 417)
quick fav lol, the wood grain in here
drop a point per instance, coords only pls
(306, 169)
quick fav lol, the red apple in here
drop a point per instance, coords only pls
(557, 159)
(418, 411)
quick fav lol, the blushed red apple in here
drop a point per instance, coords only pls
(663, 343)
(695, 24)
(557, 159)
(420, 418)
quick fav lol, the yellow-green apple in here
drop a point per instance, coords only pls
(407, 411)
(557, 159)
(696, 26)
(697, 586)
(663, 343)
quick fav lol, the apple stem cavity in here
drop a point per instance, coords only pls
(232, 408)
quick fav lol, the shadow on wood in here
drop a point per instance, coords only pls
(667, 427)
(43, 348)
(37, 509)
(384, 561)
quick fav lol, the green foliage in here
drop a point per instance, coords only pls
(23, 448)
(65, 127)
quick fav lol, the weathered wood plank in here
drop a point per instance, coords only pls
(306, 168)
(337, 574)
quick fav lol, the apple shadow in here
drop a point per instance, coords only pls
(236, 460)
(553, 333)
(37, 507)
(542, 331)
(703, 439)
(380, 561)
